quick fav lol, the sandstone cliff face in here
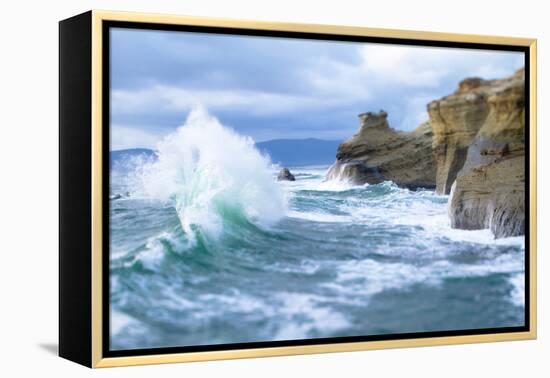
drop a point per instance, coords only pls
(456, 120)
(379, 153)
(489, 191)
(473, 147)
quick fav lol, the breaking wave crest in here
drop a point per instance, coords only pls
(214, 178)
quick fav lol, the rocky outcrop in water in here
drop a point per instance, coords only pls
(378, 153)
(489, 188)
(285, 175)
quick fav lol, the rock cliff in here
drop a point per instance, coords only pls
(456, 120)
(489, 188)
(378, 153)
(473, 148)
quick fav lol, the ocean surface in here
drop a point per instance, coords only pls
(208, 248)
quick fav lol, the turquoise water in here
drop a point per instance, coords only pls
(208, 248)
(362, 261)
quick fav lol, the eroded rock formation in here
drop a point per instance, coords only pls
(456, 120)
(473, 147)
(489, 190)
(378, 153)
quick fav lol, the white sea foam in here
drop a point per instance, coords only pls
(119, 320)
(207, 170)
(364, 278)
(305, 313)
(435, 221)
(337, 185)
(317, 216)
(517, 295)
(423, 209)
(301, 313)
(238, 302)
(305, 267)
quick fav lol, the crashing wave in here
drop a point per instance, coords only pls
(213, 177)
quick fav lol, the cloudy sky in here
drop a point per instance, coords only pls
(269, 88)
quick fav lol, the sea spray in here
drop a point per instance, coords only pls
(213, 177)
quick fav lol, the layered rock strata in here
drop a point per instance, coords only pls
(489, 189)
(473, 148)
(456, 120)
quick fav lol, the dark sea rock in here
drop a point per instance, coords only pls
(285, 175)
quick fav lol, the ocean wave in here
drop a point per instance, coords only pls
(367, 277)
(156, 248)
(213, 177)
(213, 268)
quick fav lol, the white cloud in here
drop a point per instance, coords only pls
(427, 67)
(332, 78)
(401, 79)
(178, 99)
(402, 65)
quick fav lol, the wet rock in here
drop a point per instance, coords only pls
(285, 175)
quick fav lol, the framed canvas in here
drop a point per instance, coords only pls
(235, 189)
